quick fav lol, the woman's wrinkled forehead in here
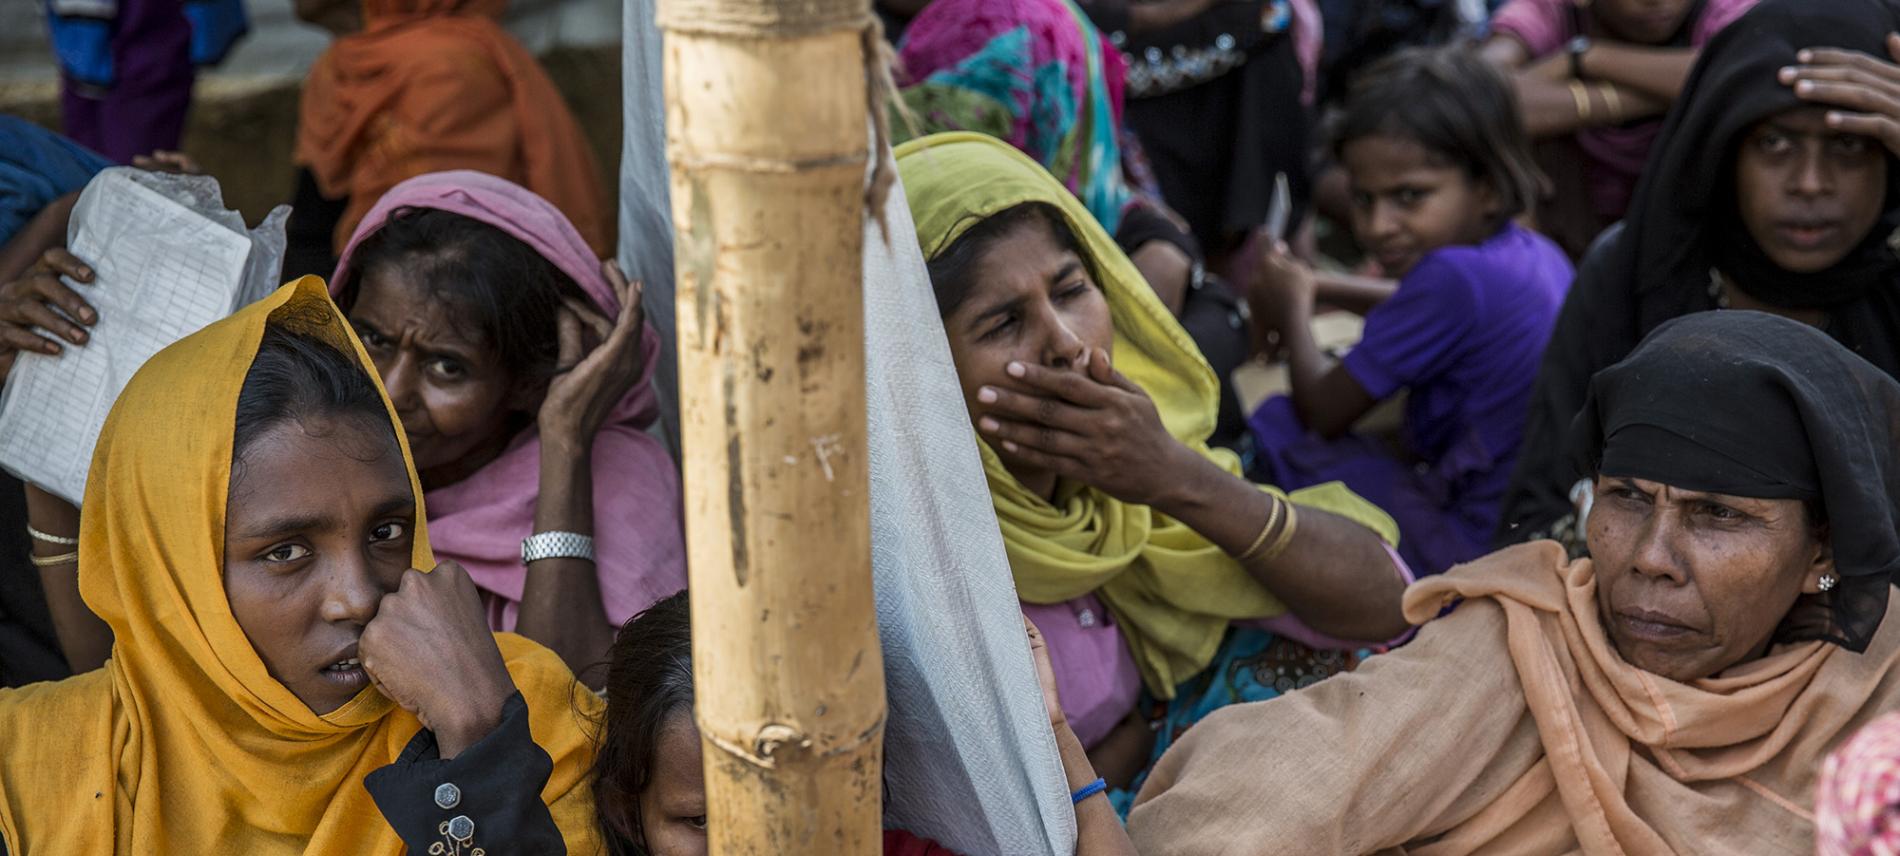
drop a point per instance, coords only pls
(399, 292)
(1028, 258)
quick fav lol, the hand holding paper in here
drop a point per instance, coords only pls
(39, 311)
(166, 259)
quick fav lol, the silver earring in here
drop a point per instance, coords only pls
(1827, 582)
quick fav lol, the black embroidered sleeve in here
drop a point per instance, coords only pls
(485, 800)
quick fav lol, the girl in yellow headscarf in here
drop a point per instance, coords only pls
(1133, 544)
(283, 679)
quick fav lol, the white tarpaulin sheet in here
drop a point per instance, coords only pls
(969, 760)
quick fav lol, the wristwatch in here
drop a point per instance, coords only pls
(1576, 48)
(556, 545)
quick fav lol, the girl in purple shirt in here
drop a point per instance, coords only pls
(1439, 168)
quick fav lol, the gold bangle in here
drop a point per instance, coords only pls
(60, 540)
(1580, 94)
(1612, 103)
(50, 561)
(1285, 538)
(1273, 517)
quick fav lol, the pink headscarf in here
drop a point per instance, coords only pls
(480, 521)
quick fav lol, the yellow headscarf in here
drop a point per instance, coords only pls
(1172, 591)
(183, 742)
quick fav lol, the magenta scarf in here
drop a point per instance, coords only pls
(481, 520)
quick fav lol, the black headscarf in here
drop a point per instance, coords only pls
(1684, 221)
(1752, 404)
(1684, 218)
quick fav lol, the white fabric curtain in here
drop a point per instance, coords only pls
(969, 761)
(646, 208)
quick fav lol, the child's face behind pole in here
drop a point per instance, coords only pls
(673, 805)
(1643, 22)
(1406, 202)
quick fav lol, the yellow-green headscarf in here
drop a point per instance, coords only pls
(183, 742)
(1172, 591)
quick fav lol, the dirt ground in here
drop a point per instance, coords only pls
(243, 132)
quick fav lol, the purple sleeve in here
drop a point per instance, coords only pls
(1415, 334)
(1096, 675)
(1542, 25)
(1715, 16)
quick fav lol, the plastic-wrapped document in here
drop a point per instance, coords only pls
(168, 259)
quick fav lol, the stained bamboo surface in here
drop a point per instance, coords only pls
(766, 118)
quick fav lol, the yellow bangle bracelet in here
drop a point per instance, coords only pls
(1612, 103)
(50, 561)
(1285, 538)
(1273, 517)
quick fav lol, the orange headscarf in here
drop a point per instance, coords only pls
(434, 85)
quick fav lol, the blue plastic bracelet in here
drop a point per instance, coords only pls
(1088, 790)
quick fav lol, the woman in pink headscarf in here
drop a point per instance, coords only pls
(520, 366)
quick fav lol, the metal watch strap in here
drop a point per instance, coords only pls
(1576, 48)
(556, 545)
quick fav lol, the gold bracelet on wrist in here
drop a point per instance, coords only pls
(1581, 95)
(1285, 538)
(50, 561)
(1612, 103)
(1273, 518)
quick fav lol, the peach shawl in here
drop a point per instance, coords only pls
(1511, 725)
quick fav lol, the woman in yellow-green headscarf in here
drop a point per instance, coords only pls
(282, 679)
(1134, 545)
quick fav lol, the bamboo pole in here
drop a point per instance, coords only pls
(766, 118)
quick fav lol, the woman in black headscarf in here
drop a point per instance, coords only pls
(1763, 193)
(1673, 693)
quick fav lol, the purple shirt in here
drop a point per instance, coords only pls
(1464, 334)
(1616, 154)
(1095, 672)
